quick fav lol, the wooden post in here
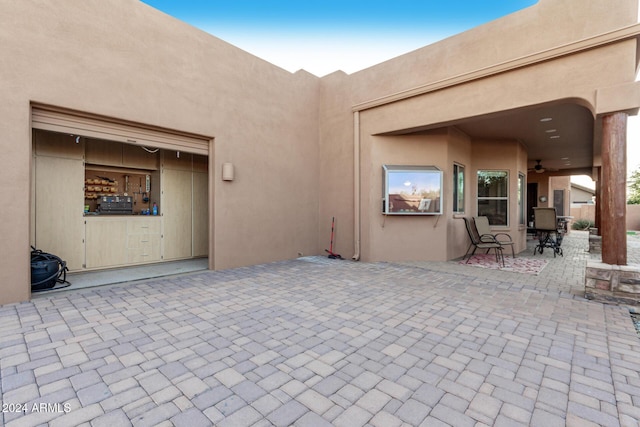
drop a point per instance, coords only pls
(597, 223)
(613, 210)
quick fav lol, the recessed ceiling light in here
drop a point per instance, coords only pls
(564, 158)
(551, 130)
(554, 137)
(546, 119)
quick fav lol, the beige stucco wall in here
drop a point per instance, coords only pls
(633, 217)
(544, 188)
(547, 24)
(294, 139)
(336, 164)
(460, 152)
(520, 88)
(510, 156)
(435, 86)
(389, 237)
(125, 60)
(589, 212)
(433, 237)
(547, 183)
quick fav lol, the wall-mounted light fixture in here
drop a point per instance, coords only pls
(227, 171)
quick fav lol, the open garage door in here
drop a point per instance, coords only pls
(139, 167)
(78, 123)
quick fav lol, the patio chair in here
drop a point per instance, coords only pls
(482, 225)
(545, 222)
(476, 243)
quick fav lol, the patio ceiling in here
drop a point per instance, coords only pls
(561, 136)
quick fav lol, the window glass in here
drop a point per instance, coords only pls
(458, 188)
(412, 190)
(521, 198)
(492, 183)
(493, 196)
(495, 210)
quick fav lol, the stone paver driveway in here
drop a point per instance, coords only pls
(317, 342)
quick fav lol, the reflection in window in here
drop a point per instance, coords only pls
(412, 190)
(521, 198)
(458, 188)
(493, 196)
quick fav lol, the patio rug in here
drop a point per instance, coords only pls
(516, 265)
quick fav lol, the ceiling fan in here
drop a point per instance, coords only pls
(538, 168)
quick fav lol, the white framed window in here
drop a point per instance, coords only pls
(493, 196)
(458, 188)
(522, 197)
(412, 190)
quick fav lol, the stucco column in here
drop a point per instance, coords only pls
(613, 209)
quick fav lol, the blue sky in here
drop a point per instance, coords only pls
(406, 182)
(329, 35)
(323, 36)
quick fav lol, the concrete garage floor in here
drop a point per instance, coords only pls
(313, 342)
(81, 280)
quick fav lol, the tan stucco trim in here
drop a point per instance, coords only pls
(632, 31)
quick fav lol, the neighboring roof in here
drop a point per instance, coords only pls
(583, 188)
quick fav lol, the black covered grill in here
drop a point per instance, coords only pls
(115, 205)
(46, 271)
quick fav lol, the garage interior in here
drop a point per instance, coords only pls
(118, 211)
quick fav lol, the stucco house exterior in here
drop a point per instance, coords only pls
(119, 90)
(581, 195)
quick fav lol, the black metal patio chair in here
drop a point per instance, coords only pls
(484, 230)
(550, 236)
(478, 243)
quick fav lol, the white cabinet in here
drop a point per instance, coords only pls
(185, 206)
(105, 241)
(134, 156)
(107, 153)
(200, 214)
(143, 240)
(117, 241)
(176, 214)
(59, 197)
(58, 226)
(110, 153)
